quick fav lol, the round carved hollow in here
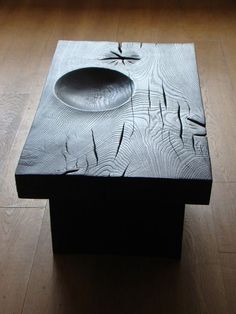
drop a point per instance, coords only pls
(94, 89)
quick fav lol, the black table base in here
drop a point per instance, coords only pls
(100, 228)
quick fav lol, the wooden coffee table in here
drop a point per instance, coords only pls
(118, 146)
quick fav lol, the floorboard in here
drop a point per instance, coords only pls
(228, 265)
(31, 279)
(19, 233)
(224, 212)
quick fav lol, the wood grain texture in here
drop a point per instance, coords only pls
(159, 133)
(29, 32)
(228, 266)
(16, 114)
(228, 46)
(223, 204)
(219, 100)
(19, 232)
(202, 260)
(12, 109)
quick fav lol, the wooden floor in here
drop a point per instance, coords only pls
(31, 279)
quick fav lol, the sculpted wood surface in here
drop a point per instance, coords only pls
(91, 284)
(114, 110)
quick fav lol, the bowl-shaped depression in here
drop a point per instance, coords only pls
(94, 89)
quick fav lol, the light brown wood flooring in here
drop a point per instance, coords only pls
(31, 280)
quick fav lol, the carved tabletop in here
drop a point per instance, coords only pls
(119, 115)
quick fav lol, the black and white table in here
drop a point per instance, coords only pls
(118, 146)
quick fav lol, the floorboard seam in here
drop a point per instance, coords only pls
(31, 268)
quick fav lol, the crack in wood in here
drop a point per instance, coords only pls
(120, 47)
(200, 135)
(123, 174)
(70, 171)
(164, 95)
(132, 107)
(66, 146)
(117, 57)
(66, 152)
(134, 57)
(180, 122)
(150, 103)
(196, 122)
(87, 165)
(121, 138)
(193, 142)
(173, 146)
(94, 147)
(149, 96)
(161, 115)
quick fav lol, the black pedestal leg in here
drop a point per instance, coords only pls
(86, 230)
